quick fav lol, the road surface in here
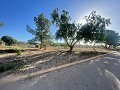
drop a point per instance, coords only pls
(100, 74)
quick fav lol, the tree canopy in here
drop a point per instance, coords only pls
(9, 40)
(68, 31)
(112, 38)
(94, 28)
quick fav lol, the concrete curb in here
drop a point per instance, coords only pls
(15, 78)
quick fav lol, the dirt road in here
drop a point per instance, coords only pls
(99, 74)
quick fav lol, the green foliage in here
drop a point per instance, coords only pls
(9, 40)
(41, 31)
(1, 41)
(11, 51)
(6, 67)
(55, 44)
(31, 41)
(18, 52)
(48, 42)
(112, 38)
(57, 19)
(67, 30)
(94, 28)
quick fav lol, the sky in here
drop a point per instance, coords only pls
(16, 14)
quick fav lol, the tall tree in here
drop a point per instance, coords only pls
(41, 32)
(112, 38)
(94, 28)
(67, 30)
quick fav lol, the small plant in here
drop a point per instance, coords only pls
(18, 52)
(21, 68)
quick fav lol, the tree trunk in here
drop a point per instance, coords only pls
(109, 46)
(114, 47)
(44, 47)
(106, 46)
(40, 45)
(71, 48)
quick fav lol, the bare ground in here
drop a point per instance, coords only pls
(36, 60)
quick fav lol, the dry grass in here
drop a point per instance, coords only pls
(10, 47)
(34, 59)
(31, 51)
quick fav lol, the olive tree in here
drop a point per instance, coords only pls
(94, 28)
(67, 31)
(112, 38)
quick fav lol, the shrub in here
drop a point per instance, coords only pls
(11, 51)
(6, 67)
(18, 52)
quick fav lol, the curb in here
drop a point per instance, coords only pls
(21, 77)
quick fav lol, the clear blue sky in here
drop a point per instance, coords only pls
(16, 14)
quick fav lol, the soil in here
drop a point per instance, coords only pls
(33, 61)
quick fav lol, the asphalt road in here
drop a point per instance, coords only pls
(99, 74)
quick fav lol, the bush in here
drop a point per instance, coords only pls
(6, 67)
(18, 52)
(11, 51)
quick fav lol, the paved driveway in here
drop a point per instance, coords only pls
(99, 74)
